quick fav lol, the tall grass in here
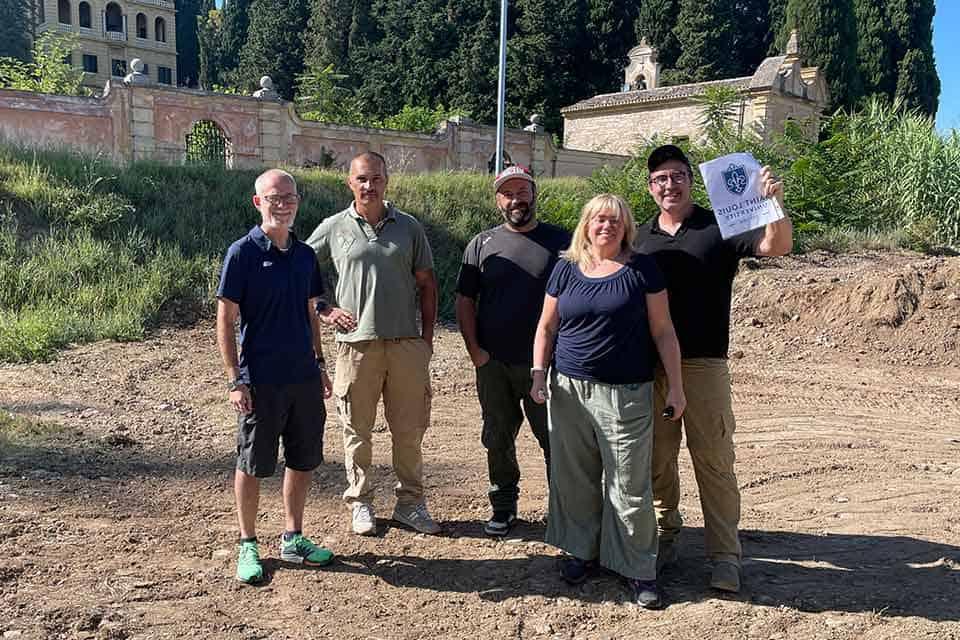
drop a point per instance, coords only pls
(89, 250)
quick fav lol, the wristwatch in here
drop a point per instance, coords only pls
(536, 369)
(322, 365)
(233, 385)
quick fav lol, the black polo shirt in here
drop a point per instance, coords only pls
(698, 266)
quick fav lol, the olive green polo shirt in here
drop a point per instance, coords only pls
(375, 267)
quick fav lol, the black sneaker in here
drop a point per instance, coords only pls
(574, 570)
(500, 524)
(646, 593)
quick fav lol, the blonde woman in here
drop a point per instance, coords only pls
(603, 305)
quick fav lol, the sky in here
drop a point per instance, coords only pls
(946, 49)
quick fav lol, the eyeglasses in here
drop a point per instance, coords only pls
(678, 177)
(276, 201)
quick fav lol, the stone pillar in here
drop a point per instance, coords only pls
(143, 144)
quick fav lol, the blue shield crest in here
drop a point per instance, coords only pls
(735, 179)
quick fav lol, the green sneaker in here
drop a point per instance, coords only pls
(300, 550)
(249, 569)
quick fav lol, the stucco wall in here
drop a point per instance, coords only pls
(85, 124)
(622, 130)
(152, 122)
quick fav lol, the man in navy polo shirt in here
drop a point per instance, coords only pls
(699, 267)
(272, 284)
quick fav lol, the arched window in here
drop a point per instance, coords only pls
(63, 11)
(85, 20)
(141, 26)
(114, 17)
(160, 28)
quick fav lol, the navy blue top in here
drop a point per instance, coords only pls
(272, 288)
(604, 335)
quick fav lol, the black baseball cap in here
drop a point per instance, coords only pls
(666, 153)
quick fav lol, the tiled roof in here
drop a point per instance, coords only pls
(766, 74)
(660, 94)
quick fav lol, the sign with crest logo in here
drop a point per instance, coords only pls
(733, 186)
(735, 178)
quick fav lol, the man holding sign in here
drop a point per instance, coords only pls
(699, 266)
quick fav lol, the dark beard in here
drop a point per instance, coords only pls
(520, 217)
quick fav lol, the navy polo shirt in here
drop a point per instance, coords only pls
(272, 288)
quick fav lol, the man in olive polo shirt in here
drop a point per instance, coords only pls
(699, 267)
(384, 278)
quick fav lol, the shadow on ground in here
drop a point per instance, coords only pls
(891, 575)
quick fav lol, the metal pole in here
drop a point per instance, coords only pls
(502, 88)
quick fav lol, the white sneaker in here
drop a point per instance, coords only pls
(364, 521)
(416, 517)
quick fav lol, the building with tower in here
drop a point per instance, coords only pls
(780, 90)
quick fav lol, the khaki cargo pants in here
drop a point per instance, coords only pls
(397, 370)
(709, 425)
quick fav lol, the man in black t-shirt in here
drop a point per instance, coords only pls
(699, 267)
(499, 298)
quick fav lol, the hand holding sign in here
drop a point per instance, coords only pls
(743, 196)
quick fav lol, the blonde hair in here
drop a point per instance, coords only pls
(580, 247)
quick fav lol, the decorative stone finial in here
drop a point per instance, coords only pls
(535, 126)
(793, 45)
(266, 92)
(136, 75)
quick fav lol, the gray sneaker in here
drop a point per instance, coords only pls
(363, 521)
(416, 517)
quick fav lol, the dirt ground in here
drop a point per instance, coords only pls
(117, 516)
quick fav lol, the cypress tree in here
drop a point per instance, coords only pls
(17, 22)
(705, 30)
(610, 33)
(274, 45)
(752, 35)
(878, 69)
(655, 20)
(828, 39)
(776, 17)
(546, 58)
(917, 83)
(235, 22)
(911, 23)
(209, 40)
(473, 83)
(188, 47)
(328, 33)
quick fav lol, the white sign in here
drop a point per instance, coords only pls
(733, 186)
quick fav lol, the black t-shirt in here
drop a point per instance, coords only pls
(604, 334)
(506, 273)
(699, 267)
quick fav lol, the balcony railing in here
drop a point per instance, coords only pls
(163, 4)
(116, 35)
(146, 43)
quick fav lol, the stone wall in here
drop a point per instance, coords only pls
(152, 122)
(621, 130)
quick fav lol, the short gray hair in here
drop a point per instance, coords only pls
(273, 173)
